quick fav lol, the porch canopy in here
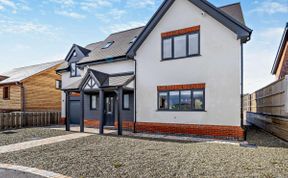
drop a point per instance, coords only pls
(96, 81)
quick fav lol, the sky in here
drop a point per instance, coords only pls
(36, 31)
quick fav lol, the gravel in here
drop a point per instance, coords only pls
(110, 156)
(28, 134)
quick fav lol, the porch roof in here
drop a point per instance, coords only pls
(104, 80)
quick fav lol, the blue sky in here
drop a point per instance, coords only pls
(35, 31)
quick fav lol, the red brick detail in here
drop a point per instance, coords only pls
(62, 120)
(128, 125)
(180, 32)
(227, 132)
(182, 87)
(74, 94)
(92, 123)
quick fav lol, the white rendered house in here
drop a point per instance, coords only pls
(180, 74)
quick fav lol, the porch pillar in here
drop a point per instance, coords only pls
(120, 97)
(67, 111)
(82, 111)
(101, 107)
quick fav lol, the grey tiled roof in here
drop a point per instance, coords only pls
(74, 85)
(118, 48)
(235, 11)
(19, 74)
(119, 80)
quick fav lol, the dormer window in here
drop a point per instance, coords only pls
(133, 40)
(108, 45)
(73, 70)
(74, 54)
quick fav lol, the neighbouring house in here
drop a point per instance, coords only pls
(31, 88)
(180, 74)
(280, 67)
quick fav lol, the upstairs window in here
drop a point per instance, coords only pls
(181, 45)
(6, 93)
(73, 70)
(108, 45)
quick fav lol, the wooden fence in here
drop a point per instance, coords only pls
(267, 108)
(28, 119)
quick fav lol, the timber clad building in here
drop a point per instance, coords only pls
(31, 88)
(179, 74)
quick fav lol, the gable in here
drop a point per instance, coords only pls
(206, 8)
(91, 83)
(79, 51)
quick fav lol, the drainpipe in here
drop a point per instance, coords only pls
(135, 98)
(242, 91)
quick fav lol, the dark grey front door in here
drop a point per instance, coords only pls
(109, 110)
(75, 112)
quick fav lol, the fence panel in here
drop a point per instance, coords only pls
(28, 119)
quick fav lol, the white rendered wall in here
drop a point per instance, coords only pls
(218, 67)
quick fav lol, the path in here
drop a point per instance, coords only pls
(46, 141)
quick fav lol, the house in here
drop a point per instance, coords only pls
(31, 88)
(280, 67)
(179, 74)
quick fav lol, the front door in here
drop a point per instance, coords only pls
(109, 111)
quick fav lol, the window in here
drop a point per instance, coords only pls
(181, 46)
(182, 100)
(185, 100)
(126, 104)
(133, 40)
(73, 70)
(58, 84)
(74, 54)
(163, 100)
(198, 100)
(193, 44)
(174, 100)
(6, 93)
(167, 48)
(108, 45)
(93, 103)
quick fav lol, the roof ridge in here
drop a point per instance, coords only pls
(34, 65)
(126, 30)
(220, 7)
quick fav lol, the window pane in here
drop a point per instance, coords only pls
(167, 48)
(163, 100)
(174, 100)
(194, 44)
(73, 69)
(185, 100)
(198, 100)
(93, 102)
(126, 101)
(180, 47)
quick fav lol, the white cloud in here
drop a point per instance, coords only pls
(1, 8)
(271, 7)
(17, 27)
(140, 4)
(64, 2)
(114, 14)
(92, 4)
(71, 14)
(123, 26)
(8, 3)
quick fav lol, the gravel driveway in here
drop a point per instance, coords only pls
(27, 134)
(108, 156)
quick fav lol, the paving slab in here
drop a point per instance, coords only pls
(35, 143)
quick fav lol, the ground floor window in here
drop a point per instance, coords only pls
(182, 100)
(6, 93)
(93, 102)
(126, 104)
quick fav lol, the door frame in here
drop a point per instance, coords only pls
(109, 95)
